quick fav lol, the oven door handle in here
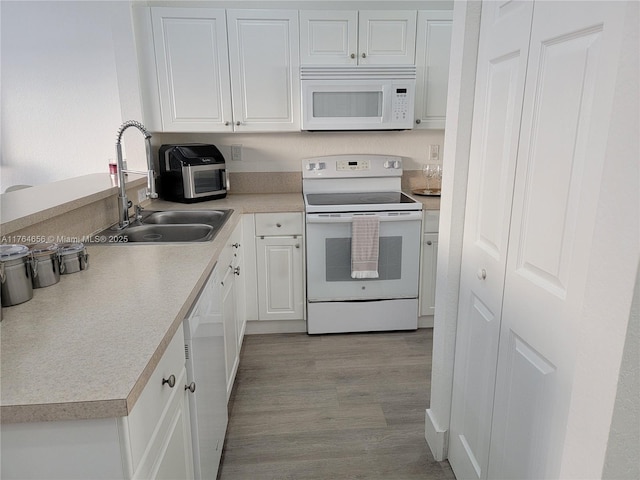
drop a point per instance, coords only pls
(337, 218)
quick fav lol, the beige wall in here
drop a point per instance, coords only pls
(282, 152)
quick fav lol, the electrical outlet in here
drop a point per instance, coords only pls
(434, 153)
(236, 152)
(142, 195)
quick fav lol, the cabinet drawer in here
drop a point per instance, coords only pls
(147, 412)
(278, 224)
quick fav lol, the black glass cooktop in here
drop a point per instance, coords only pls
(367, 198)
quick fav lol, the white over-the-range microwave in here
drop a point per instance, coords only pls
(358, 98)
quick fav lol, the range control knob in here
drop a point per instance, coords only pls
(321, 166)
(396, 164)
(387, 164)
(311, 166)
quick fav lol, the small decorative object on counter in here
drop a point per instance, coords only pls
(73, 258)
(46, 264)
(433, 177)
(113, 171)
(15, 274)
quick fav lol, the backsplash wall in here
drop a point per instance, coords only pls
(282, 152)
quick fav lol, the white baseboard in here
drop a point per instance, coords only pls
(436, 438)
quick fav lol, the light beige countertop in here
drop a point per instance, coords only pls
(86, 346)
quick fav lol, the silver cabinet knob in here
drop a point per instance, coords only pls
(353, 55)
(235, 245)
(191, 387)
(364, 55)
(226, 124)
(171, 381)
(238, 123)
(418, 121)
(278, 225)
(429, 242)
(236, 271)
(482, 274)
(297, 245)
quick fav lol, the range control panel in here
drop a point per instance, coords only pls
(352, 166)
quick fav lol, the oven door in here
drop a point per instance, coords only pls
(329, 258)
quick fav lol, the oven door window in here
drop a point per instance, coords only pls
(329, 263)
(338, 259)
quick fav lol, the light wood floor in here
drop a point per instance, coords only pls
(331, 407)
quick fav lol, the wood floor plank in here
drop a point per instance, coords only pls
(331, 407)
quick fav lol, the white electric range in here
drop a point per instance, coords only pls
(336, 189)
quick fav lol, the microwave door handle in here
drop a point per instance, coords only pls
(225, 178)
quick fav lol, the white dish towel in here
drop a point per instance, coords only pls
(364, 246)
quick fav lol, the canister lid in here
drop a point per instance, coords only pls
(12, 252)
(70, 248)
(44, 249)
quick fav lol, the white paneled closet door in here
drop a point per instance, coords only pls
(537, 157)
(573, 61)
(500, 80)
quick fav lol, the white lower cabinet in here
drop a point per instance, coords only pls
(280, 266)
(280, 282)
(153, 441)
(231, 265)
(428, 267)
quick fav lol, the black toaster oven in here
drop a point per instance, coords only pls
(192, 173)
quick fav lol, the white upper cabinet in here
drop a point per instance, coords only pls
(264, 59)
(367, 37)
(192, 69)
(227, 71)
(433, 47)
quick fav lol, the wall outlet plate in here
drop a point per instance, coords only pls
(142, 195)
(236, 152)
(434, 153)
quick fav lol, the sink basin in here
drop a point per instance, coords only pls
(169, 226)
(215, 218)
(168, 233)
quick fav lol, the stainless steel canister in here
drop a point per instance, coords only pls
(46, 264)
(73, 257)
(15, 274)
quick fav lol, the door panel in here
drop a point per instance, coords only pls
(553, 179)
(502, 59)
(570, 83)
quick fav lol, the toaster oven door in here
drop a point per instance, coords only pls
(204, 180)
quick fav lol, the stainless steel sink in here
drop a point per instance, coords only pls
(169, 226)
(215, 218)
(168, 233)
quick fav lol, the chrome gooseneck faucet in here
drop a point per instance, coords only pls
(123, 201)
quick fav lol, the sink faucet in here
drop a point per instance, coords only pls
(123, 201)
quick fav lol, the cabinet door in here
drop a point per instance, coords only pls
(328, 37)
(428, 281)
(192, 68)
(433, 47)
(174, 454)
(263, 54)
(387, 37)
(280, 282)
(230, 327)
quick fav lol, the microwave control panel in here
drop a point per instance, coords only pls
(400, 105)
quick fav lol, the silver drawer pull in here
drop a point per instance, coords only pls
(191, 387)
(171, 381)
